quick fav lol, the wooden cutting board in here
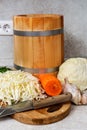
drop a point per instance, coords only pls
(44, 116)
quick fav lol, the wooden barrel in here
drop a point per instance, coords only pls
(38, 42)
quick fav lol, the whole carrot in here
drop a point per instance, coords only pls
(51, 84)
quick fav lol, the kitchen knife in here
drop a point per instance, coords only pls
(30, 105)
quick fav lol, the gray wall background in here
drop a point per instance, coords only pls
(75, 24)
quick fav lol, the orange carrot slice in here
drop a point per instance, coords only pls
(51, 84)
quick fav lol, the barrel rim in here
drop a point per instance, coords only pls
(39, 15)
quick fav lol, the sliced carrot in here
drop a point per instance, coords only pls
(51, 84)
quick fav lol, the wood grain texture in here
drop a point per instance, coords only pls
(44, 116)
(39, 51)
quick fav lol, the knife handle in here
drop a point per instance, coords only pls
(52, 100)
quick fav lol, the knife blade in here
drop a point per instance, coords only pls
(33, 105)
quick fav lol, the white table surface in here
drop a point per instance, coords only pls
(76, 120)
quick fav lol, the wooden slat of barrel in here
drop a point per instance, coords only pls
(54, 46)
(23, 46)
(38, 43)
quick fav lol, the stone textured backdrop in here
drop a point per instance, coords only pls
(75, 24)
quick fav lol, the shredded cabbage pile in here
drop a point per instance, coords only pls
(18, 86)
